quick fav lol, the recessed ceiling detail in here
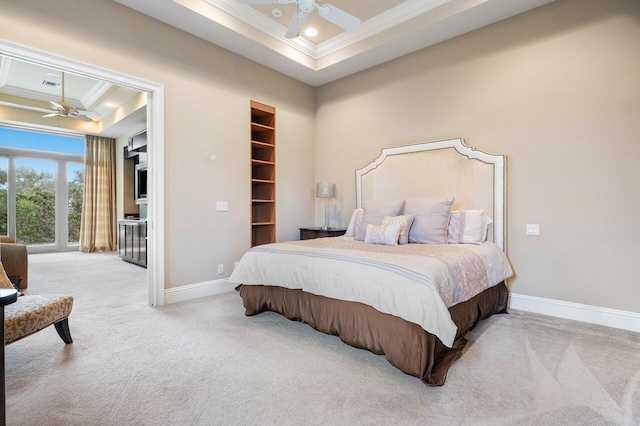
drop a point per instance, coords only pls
(388, 14)
(25, 99)
(389, 29)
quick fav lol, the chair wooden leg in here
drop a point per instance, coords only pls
(62, 327)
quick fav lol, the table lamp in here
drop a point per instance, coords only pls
(325, 190)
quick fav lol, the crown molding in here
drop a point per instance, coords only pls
(388, 19)
(99, 89)
(25, 107)
(29, 94)
(5, 63)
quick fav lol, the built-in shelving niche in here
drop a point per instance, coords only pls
(263, 174)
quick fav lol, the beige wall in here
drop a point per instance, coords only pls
(557, 90)
(207, 93)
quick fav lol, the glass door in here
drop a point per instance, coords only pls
(4, 200)
(75, 192)
(35, 201)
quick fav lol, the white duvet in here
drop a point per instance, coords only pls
(416, 282)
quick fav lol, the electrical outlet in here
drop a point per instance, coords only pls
(222, 206)
(533, 229)
(220, 269)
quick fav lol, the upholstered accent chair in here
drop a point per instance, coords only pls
(32, 313)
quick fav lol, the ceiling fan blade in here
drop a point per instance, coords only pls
(297, 22)
(338, 16)
(53, 114)
(56, 105)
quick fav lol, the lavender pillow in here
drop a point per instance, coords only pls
(375, 211)
(432, 219)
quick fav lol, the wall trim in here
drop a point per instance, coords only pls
(615, 318)
(197, 290)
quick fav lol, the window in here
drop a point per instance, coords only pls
(41, 188)
(35, 189)
(75, 192)
(3, 196)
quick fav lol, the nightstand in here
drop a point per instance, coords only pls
(311, 233)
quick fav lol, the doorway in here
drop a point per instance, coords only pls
(155, 151)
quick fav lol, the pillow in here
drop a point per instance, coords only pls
(354, 223)
(485, 228)
(382, 234)
(405, 221)
(467, 227)
(432, 219)
(374, 212)
(5, 282)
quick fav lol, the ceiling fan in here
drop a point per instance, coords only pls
(65, 109)
(331, 13)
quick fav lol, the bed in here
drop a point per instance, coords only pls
(412, 303)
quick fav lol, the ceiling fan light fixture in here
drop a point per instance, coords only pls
(311, 32)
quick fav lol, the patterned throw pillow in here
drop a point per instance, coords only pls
(468, 227)
(404, 221)
(381, 234)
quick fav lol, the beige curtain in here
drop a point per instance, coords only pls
(98, 225)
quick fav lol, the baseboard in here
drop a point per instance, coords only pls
(576, 311)
(194, 291)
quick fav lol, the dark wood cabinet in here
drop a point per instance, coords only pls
(311, 233)
(132, 241)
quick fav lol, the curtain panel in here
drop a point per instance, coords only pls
(98, 227)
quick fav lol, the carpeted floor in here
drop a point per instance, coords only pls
(203, 362)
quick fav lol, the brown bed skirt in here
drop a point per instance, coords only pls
(406, 345)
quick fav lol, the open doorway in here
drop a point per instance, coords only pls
(153, 117)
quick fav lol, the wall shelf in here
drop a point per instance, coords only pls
(263, 174)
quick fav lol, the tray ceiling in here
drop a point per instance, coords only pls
(30, 87)
(389, 29)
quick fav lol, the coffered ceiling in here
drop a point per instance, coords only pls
(389, 29)
(26, 90)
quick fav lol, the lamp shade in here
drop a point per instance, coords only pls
(325, 190)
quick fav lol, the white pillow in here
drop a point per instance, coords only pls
(356, 219)
(468, 227)
(381, 234)
(404, 221)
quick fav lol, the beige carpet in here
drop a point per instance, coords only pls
(204, 363)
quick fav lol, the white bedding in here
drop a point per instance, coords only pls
(416, 282)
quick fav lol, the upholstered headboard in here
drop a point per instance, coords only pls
(440, 169)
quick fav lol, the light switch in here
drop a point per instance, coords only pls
(222, 206)
(533, 229)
